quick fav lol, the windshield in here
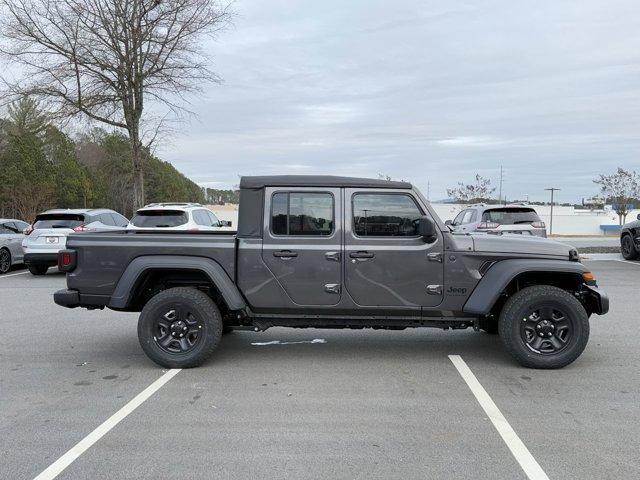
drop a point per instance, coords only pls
(510, 216)
(58, 220)
(159, 218)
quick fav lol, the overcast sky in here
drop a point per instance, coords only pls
(428, 91)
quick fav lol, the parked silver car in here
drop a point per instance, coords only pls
(499, 219)
(48, 234)
(11, 243)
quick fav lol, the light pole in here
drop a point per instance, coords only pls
(551, 216)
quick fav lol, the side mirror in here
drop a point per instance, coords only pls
(427, 229)
(225, 223)
(448, 222)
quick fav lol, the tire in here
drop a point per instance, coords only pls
(5, 260)
(170, 313)
(536, 344)
(37, 269)
(628, 248)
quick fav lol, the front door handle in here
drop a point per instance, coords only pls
(361, 254)
(285, 254)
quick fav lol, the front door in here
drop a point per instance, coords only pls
(387, 264)
(302, 244)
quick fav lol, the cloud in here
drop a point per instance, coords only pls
(426, 91)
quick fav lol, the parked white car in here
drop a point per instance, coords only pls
(10, 243)
(48, 234)
(177, 216)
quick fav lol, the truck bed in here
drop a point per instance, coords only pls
(103, 256)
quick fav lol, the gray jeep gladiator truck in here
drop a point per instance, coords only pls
(334, 252)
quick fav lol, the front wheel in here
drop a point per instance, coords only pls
(180, 328)
(544, 327)
(628, 248)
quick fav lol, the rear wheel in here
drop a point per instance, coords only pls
(5, 260)
(628, 248)
(544, 327)
(37, 269)
(180, 328)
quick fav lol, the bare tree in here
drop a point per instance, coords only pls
(105, 60)
(621, 188)
(479, 190)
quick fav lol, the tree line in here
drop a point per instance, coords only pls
(42, 167)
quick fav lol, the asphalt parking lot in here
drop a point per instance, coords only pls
(354, 404)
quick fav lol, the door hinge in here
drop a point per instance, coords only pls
(434, 289)
(435, 257)
(332, 287)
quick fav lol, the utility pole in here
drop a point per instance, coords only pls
(428, 191)
(551, 216)
(500, 194)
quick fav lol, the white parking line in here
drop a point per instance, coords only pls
(83, 445)
(13, 274)
(628, 261)
(531, 468)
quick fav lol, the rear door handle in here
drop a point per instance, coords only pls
(285, 254)
(361, 255)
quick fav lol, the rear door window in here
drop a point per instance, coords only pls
(105, 219)
(20, 225)
(511, 216)
(302, 213)
(119, 220)
(58, 220)
(159, 218)
(201, 218)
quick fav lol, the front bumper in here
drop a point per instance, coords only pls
(49, 259)
(598, 300)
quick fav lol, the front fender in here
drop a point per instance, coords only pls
(121, 297)
(496, 279)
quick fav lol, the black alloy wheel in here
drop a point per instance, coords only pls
(546, 330)
(543, 326)
(178, 330)
(180, 327)
(5, 260)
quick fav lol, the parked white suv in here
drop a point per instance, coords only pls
(177, 216)
(48, 233)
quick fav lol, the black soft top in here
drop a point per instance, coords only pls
(317, 181)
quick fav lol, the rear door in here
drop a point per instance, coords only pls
(12, 236)
(302, 243)
(387, 264)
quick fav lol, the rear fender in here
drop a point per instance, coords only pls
(123, 292)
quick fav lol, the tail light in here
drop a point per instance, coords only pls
(82, 228)
(539, 225)
(66, 260)
(487, 225)
(28, 230)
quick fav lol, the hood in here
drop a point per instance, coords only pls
(530, 245)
